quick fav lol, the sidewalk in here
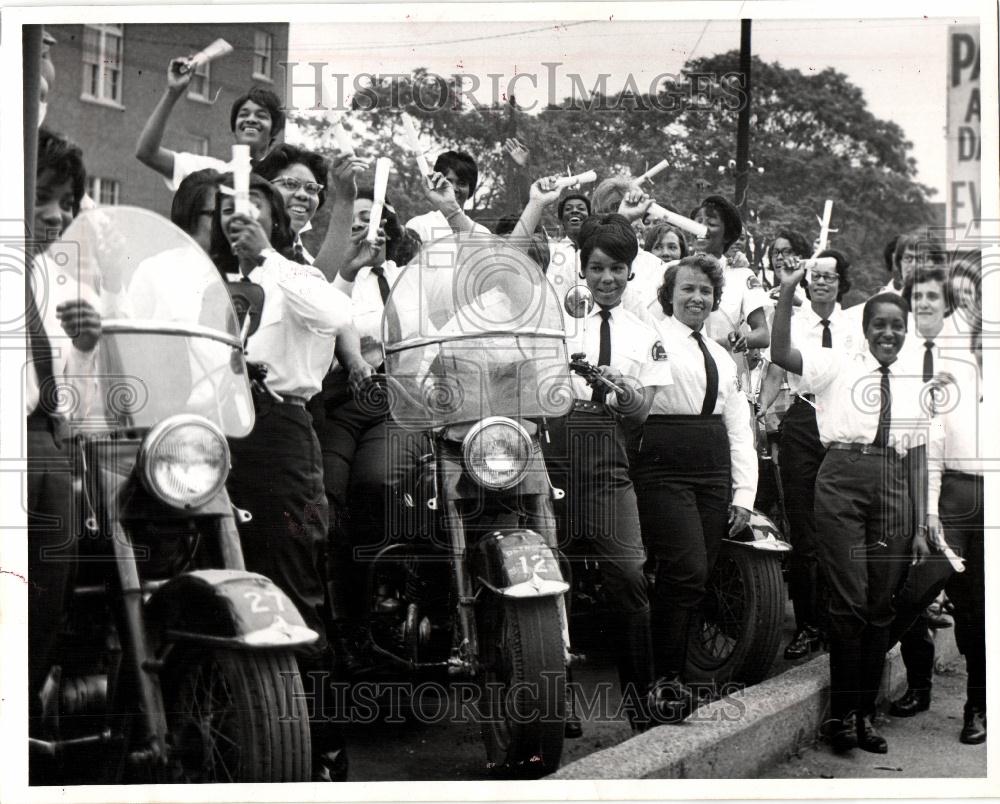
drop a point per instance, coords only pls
(925, 745)
(747, 734)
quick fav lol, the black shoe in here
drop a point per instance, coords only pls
(868, 737)
(974, 729)
(912, 702)
(670, 701)
(330, 766)
(806, 641)
(843, 734)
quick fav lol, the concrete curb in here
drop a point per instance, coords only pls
(743, 734)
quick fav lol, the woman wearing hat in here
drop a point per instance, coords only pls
(743, 297)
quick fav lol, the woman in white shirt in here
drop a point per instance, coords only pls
(299, 176)
(696, 469)
(277, 471)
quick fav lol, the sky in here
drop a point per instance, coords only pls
(900, 64)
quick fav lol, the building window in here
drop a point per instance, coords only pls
(199, 87)
(102, 63)
(199, 145)
(105, 192)
(262, 55)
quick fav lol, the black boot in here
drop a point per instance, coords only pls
(868, 737)
(974, 726)
(912, 702)
(806, 641)
(843, 733)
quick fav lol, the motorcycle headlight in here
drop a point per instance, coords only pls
(497, 452)
(184, 461)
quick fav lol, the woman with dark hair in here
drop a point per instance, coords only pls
(787, 244)
(299, 176)
(277, 471)
(696, 470)
(193, 206)
(666, 242)
(586, 453)
(820, 324)
(255, 118)
(743, 298)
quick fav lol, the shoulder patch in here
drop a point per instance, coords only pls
(658, 353)
(753, 282)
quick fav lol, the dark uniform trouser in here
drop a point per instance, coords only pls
(52, 549)
(801, 456)
(683, 481)
(277, 476)
(863, 518)
(961, 510)
(366, 463)
(585, 456)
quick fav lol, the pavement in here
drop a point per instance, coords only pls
(749, 733)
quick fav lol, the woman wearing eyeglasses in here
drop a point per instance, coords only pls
(298, 175)
(821, 323)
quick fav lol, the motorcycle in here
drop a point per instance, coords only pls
(475, 358)
(176, 664)
(738, 627)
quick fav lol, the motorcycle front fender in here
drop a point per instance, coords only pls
(226, 607)
(518, 564)
(760, 534)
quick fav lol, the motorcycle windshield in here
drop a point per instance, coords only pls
(473, 329)
(170, 338)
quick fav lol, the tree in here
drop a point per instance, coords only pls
(812, 133)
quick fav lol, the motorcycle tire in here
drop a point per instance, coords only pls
(738, 630)
(236, 716)
(525, 686)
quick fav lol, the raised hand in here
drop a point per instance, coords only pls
(635, 205)
(343, 173)
(545, 191)
(179, 74)
(517, 151)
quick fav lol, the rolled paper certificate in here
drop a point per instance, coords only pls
(413, 143)
(344, 142)
(659, 167)
(382, 166)
(218, 48)
(688, 225)
(824, 227)
(240, 165)
(588, 177)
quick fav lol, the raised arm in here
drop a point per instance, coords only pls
(441, 194)
(149, 149)
(337, 249)
(541, 193)
(783, 352)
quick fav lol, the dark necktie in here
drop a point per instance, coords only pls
(40, 349)
(392, 319)
(711, 377)
(827, 337)
(928, 360)
(604, 354)
(298, 253)
(885, 410)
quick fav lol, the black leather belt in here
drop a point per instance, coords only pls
(807, 397)
(864, 449)
(288, 399)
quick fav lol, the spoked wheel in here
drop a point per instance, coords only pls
(525, 681)
(739, 625)
(236, 716)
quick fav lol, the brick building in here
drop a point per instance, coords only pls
(109, 77)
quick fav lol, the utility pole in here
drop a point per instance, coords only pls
(743, 124)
